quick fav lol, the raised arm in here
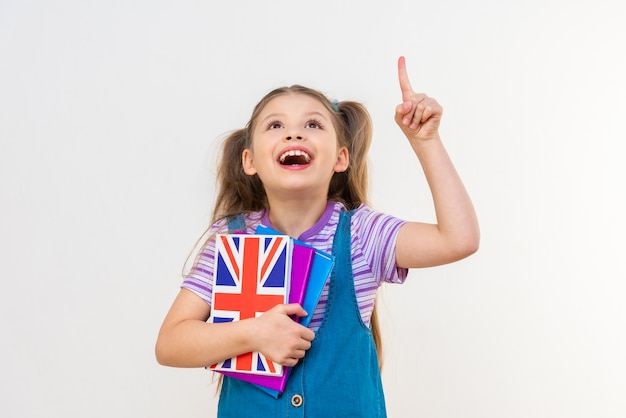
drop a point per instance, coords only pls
(187, 340)
(456, 234)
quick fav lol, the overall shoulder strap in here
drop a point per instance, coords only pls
(342, 235)
(236, 223)
(345, 217)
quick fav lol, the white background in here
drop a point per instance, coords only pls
(110, 117)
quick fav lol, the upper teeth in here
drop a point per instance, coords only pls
(295, 153)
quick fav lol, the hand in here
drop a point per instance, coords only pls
(418, 115)
(280, 339)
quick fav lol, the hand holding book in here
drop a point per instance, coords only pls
(285, 340)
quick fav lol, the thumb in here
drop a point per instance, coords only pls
(403, 113)
(294, 309)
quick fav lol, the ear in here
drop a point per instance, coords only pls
(343, 160)
(247, 162)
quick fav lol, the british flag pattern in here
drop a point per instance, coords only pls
(251, 275)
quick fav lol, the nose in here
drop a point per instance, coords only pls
(290, 137)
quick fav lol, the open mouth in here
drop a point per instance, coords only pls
(294, 157)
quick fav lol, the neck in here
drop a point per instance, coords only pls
(295, 216)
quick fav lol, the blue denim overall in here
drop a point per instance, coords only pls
(338, 376)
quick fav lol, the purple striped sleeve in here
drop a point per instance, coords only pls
(375, 239)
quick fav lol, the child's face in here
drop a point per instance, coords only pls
(294, 147)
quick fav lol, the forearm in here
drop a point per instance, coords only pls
(187, 340)
(194, 343)
(456, 217)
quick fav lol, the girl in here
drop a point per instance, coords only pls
(299, 166)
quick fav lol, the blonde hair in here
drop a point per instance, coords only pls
(240, 193)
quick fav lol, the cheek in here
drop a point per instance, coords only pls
(260, 150)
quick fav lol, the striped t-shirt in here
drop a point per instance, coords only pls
(373, 254)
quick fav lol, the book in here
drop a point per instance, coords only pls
(306, 292)
(301, 264)
(251, 275)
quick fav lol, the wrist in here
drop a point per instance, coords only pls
(425, 143)
(249, 333)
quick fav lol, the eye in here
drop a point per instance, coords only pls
(274, 124)
(314, 124)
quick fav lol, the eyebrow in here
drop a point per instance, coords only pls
(275, 115)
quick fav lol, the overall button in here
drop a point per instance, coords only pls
(296, 400)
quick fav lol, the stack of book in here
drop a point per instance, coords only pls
(254, 273)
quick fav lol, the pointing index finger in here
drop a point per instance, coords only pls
(403, 77)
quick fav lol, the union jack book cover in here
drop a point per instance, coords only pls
(251, 275)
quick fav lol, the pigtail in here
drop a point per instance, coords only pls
(351, 186)
(237, 192)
